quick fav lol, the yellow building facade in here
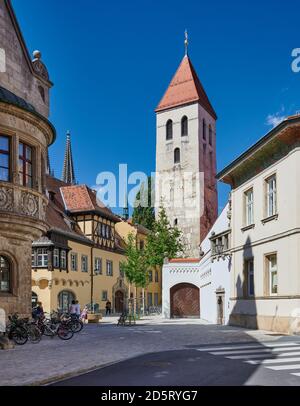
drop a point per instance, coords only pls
(151, 296)
(80, 256)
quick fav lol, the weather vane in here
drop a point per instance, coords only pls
(186, 42)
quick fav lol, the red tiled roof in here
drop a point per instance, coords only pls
(185, 87)
(80, 198)
(185, 260)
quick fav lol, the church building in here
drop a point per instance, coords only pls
(186, 156)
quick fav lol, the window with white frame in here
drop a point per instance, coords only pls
(98, 265)
(104, 295)
(33, 258)
(271, 196)
(56, 258)
(84, 263)
(250, 276)
(63, 259)
(74, 261)
(42, 257)
(249, 218)
(109, 268)
(272, 274)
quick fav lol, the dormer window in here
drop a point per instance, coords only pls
(169, 130)
(184, 126)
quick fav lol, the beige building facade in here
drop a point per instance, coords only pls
(265, 231)
(25, 134)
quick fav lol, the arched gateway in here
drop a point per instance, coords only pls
(185, 300)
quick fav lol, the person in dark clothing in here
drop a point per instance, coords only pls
(38, 311)
(108, 308)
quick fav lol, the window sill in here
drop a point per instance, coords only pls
(270, 218)
(249, 227)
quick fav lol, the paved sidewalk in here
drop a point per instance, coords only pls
(105, 343)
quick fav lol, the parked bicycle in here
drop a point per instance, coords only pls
(20, 330)
(53, 327)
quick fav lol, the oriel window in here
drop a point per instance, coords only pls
(4, 158)
(25, 165)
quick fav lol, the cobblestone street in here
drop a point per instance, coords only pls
(105, 343)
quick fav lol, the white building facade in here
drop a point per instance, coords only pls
(265, 231)
(200, 288)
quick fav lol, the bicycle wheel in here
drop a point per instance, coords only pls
(34, 334)
(76, 326)
(19, 335)
(64, 333)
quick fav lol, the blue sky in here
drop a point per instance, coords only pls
(111, 61)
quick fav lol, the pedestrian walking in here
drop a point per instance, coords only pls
(84, 314)
(108, 308)
(72, 309)
(78, 312)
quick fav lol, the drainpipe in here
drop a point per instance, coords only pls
(92, 282)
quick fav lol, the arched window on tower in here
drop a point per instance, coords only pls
(176, 156)
(210, 135)
(169, 130)
(204, 129)
(184, 126)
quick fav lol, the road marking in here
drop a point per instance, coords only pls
(241, 347)
(284, 367)
(268, 350)
(274, 361)
(285, 354)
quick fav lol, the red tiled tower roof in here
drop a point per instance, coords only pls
(185, 88)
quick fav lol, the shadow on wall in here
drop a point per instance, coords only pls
(244, 312)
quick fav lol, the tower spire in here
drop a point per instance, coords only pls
(186, 42)
(68, 174)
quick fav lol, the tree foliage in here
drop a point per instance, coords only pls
(135, 268)
(164, 241)
(143, 212)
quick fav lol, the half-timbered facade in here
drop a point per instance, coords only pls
(80, 256)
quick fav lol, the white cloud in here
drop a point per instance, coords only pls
(275, 119)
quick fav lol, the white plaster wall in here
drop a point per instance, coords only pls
(281, 236)
(206, 275)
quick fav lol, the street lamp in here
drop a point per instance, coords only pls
(96, 272)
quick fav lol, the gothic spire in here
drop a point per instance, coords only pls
(68, 175)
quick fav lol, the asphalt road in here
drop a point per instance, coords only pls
(247, 363)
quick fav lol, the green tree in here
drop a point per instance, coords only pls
(135, 268)
(164, 241)
(143, 212)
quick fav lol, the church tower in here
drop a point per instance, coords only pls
(68, 173)
(186, 156)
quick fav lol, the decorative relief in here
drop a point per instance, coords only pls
(40, 68)
(6, 199)
(43, 210)
(29, 204)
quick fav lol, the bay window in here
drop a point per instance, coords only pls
(4, 158)
(25, 165)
